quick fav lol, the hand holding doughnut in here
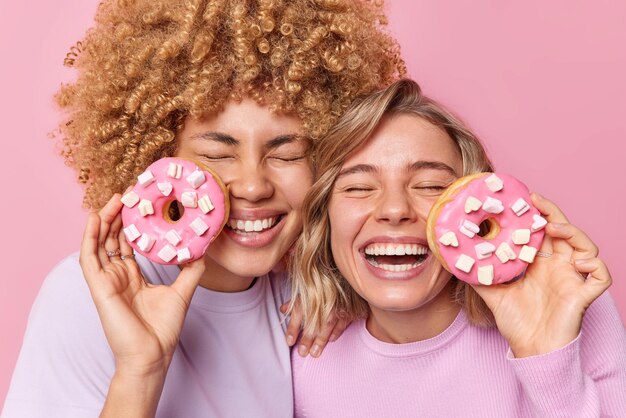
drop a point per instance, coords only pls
(543, 311)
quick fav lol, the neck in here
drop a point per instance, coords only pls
(218, 279)
(428, 321)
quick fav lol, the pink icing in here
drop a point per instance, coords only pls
(453, 214)
(156, 226)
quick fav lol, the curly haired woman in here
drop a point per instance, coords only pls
(244, 87)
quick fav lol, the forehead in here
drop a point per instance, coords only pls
(403, 139)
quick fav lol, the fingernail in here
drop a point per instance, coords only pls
(316, 350)
(302, 350)
(539, 197)
(290, 340)
(557, 225)
(333, 337)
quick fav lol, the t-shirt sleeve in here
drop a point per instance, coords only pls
(587, 377)
(65, 364)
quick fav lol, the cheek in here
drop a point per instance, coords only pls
(295, 185)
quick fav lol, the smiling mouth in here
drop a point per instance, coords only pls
(252, 226)
(395, 257)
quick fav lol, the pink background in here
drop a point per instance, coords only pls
(541, 82)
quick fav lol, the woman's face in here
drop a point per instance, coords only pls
(378, 211)
(263, 159)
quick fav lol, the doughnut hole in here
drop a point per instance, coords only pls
(489, 229)
(173, 211)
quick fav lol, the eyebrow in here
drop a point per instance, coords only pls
(230, 141)
(419, 165)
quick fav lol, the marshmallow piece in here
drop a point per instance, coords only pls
(145, 243)
(472, 204)
(131, 232)
(189, 199)
(175, 170)
(167, 253)
(145, 178)
(130, 199)
(198, 226)
(183, 255)
(485, 275)
(196, 179)
(521, 236)
(205, 204)
(484, 250)
(464, 263)
(492, 205)
(494, 183)
(539, 222)
(165, 188)
(145, 207)
(505, 253)
(449, 239)
(527, 254)
(469, 228)
(520, 207)
(173, 237)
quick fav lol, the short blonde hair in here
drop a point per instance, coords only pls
(146, 65)
(317, 283)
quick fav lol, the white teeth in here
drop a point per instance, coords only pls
(393, 267)
(256, 225)
(396, 249)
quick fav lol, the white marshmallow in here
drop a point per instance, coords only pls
(183, 255)
(464, 263)
(196, 179)
(145, 178)
(485, 275)
(469, 228)
(189, 199)
(205, 204)
(472, 204)
(175, 170)
(145, 207)
(449, 239)
(173, 237)
(494, 183)
(527, 254)
(520, 207)
(131, 232)
(167, 253)
(492, 205)
(521, 236)
(145, 243)
(130, 199)
(165, 188)
(484, 250)
(539, 222)
(198, 226)
(505, 252)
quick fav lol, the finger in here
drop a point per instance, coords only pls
(340, 327)
(188, 279)
(553, 214)
(294, 326)
(304, 346)
(89, 260)
(598, 277)
(131, 264)
(107, 216)
(112, 242)
(582, 246)
(322, 338)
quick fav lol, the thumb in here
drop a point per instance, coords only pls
(188, 279)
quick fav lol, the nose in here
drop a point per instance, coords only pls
(251, 183)
(396, 207)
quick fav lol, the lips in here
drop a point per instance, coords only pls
(403, 255)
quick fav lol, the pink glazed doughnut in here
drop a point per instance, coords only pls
(148, 225)
(484, 228)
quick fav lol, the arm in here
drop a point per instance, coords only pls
(541, 317)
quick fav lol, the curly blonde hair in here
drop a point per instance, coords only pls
(147, 65)
(317, 284)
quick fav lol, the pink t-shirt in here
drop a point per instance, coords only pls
(232, 359)
(467, 371)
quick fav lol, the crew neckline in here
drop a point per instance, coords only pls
(417, 348)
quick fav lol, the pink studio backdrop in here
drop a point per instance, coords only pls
(541, 82)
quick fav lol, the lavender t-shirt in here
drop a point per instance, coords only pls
(231, 361)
